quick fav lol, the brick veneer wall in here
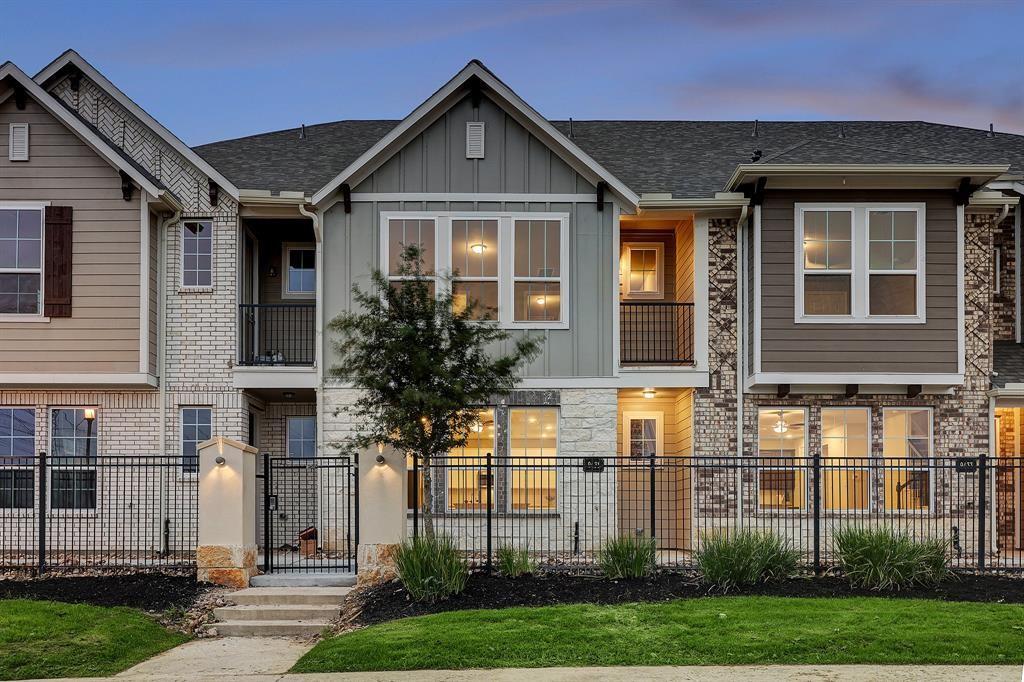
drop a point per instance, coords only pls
(1003, 303)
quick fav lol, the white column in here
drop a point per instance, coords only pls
(227, 512)
(382, 512)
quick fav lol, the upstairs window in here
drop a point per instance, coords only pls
(21, 261)
(197, 253)
(537, 276)
(403, 233)
(643, 270)
(300, 271)
(475, 266)
(860, 263)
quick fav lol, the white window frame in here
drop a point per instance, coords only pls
(30, 467)
(507, 484)
(501, 253)
(804, 470)
(659, 433)
(288, 435)
(181, 437)
(861, 272)
(50, 469)
(929, 467)
(864, 463)
(659, 270)
(30, 206)
(506, 254)
(286, 249)
(181, 256)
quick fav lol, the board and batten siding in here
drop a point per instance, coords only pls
(102, 335)
(870, 348)
(515, 162)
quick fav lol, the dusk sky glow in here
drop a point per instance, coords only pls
(213, 70)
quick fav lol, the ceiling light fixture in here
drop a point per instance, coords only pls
(780, 427)
(649, 393)
(478, 248)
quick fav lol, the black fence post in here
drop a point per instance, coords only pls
(355, 514)
(41, 566)
(490, 532)
(653, 510)
(816, 501)
(266, 512)
(982, 504)
(415, 496)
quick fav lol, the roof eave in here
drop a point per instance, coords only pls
(747, 170)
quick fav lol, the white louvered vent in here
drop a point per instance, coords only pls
(19, 142)
(474, 139)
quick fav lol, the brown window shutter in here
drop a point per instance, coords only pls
(57, 263)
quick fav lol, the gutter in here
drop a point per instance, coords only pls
(318, 337)
(161, 349)
(741, 276)
(990, 171)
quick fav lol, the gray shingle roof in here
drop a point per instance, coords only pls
(686, 158)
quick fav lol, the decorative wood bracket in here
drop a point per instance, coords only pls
(852, 390)
(20, 97)
(346, 197)
(913, 390)
(601, 187)
(782, 391)
(126, 186)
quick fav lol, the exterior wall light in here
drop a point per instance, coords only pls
(380, 460)
(649, 393)
(89, 414)
(219, 461)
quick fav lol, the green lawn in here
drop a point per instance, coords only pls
(720, 630)
(49, 639)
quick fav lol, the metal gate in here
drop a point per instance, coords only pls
(308, 517)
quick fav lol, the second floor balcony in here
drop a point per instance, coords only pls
(276, 334)
(656, 333)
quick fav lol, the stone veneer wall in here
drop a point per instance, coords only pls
(1003, 303)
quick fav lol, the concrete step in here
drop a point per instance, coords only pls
(304, 580)
(291, 596)
(270, 628)
(315, 612)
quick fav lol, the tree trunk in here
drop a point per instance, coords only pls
(428, 497)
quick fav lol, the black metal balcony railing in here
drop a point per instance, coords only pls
(276, 334)
(656, 333)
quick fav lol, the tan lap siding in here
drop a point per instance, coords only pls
(822, 348)
(102, 335)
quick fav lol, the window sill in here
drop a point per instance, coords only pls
(527, 326)
(196, 290)
(13, 317)
(827, 319)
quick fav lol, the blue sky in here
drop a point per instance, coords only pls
(213, 70)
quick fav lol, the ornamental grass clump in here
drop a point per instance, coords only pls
(628, 556)
(514, 562)
(431, 568)
(748, 557)
(886, 559)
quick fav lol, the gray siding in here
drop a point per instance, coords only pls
(515, 162)
(903, 348)
(352, 250)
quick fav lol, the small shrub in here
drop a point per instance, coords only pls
(513, 562)
(745, 558)
(431, 568)
(885, 559)
(628, 556)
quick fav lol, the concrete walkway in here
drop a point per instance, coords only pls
(222, 657)
(185, 668)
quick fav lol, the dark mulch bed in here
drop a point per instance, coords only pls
(149, 591)
(389, 601)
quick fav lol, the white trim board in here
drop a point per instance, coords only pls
(864, 378)
(450, 93)
(274, 377)
(90, 72)
(43, 380)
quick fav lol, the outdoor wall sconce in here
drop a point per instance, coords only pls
(89, 414)
(649, 393)
(219, 461)
(380, 460)
(273, 271)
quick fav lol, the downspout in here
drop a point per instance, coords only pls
(318, 324)
(161, 354)
(741, 301)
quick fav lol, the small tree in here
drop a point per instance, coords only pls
(422, 365)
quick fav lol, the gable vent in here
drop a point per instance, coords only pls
(474, 139)
(19, 142)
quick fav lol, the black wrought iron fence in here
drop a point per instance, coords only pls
(656, 333)
(105, 512)
(564, 510)
(276, 334)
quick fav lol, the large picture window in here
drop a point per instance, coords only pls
(781, 449)
(533, 449)
(21, 261)
(860, 263)
(468, 482)
(512, 264)
(907, 451)
(17, 444)
(845, 448)
(73, 452)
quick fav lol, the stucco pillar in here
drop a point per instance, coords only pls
(382, 513)
(227, 512)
